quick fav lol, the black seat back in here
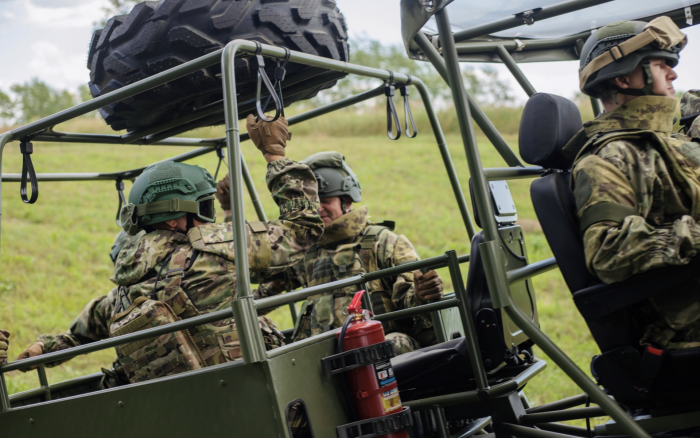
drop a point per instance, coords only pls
(548, 123)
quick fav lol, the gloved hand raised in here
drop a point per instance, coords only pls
(270, 138)
(223, 190)
(35, 349)
(4, 343)
(428, 286)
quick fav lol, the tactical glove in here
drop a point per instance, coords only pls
(223, 190)
(428, 286)
(4, 343)
(35, 349)
(270, 138)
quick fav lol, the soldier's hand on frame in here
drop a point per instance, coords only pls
(33, 350)
(223, 190)
(270, 138)
(428, 286)
(4, 343)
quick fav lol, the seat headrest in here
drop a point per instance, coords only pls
(548, 123)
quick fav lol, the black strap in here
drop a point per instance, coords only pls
(407, 109)
(259, 62)
(391, 113)
(280, 72)
(27, 149)
(221, 153)
(605, 211)
(122, 200)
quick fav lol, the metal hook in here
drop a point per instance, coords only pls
(262, 78)
(407, 109)
(389, 90)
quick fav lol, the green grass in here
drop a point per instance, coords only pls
(54, 255)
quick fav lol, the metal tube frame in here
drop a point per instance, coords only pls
(492, 254)
(515, 71)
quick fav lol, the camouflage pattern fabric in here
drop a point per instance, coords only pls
(339, 255)
(4, 344)
(403, 342)
(209, 282)
(630, 158)
(690, 105)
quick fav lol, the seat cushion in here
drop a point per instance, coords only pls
(548, 123)
(556, 210)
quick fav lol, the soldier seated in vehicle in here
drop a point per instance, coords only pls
(635, 182)
(183, 265)
(352, 244)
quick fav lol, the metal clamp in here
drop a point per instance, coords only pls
(407, 109)
(389, 90)
(528, 17)
(26, 148)
(358, 357)
(122, 200)
(259, 63)
(379, 426)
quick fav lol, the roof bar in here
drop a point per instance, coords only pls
(518, 19)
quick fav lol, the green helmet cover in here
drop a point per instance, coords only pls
(610, 36)
(180, 184)
(334, 176)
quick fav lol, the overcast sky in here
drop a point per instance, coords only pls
(48, 39)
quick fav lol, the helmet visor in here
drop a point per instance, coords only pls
(206, 211)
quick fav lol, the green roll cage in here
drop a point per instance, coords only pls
(467, 45)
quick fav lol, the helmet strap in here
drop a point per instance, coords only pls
(190, 221)
(342, 205)
(648, 87)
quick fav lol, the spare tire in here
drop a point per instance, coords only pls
(159, 35)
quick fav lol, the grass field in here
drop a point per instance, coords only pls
(54, 255)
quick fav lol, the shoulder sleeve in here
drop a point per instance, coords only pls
(618, 245)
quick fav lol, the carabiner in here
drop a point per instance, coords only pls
(391, 113)
(262, 78)
(407, 109)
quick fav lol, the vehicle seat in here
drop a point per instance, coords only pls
(446, 368)
(635, 376)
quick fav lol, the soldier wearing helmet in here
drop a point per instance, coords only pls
(186, 261)
(91, 325)
(352, 244)
(635, 183)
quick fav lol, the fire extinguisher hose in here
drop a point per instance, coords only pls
(343, 377)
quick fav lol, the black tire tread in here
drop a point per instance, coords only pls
(159, 35)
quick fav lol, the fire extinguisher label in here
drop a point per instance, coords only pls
(385, 377)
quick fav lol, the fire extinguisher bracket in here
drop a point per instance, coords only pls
(378, 426)
(358, 357)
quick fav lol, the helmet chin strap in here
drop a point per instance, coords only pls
(190, 222)
(646, 91)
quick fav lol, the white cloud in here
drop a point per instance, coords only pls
(56, 67)
(78, 15)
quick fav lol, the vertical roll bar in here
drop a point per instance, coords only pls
(252, 344)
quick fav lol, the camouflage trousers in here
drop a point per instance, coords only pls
(403, 342)
(672, 319)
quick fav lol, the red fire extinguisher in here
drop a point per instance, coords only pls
(373, 388)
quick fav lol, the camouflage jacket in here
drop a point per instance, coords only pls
(351, 245)
(690, 107)
(637, 192)
(210, 280)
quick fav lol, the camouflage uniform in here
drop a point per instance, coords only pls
(352, 245)
(637, 192)
(206, 252)
(690, 106)
(93, 322)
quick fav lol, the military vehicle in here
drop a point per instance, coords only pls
(471, 383)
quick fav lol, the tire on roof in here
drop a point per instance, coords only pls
(158, 35)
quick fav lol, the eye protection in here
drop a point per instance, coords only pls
(206, 210)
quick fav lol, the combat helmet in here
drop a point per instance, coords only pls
(169, 190)
(334, 176)
(616, 49)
